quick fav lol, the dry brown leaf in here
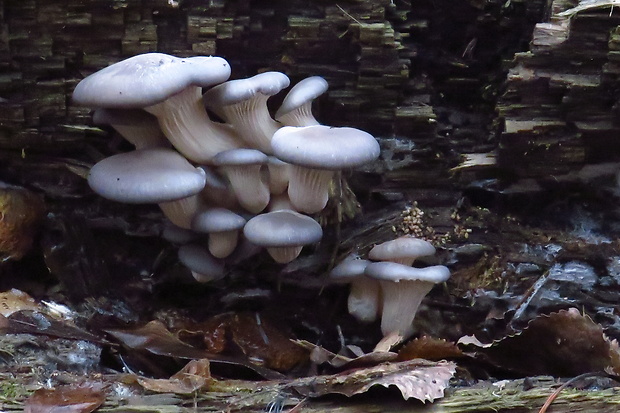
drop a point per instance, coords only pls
(430, 349)
(155, 338)
(563, 344)
(195, 376)
(319, 355)
(16, 300)
(255, 336)
(65, 399)
(419, 379)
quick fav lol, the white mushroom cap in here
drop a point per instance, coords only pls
(403, 250)
(243, 103)
(204, 266)
(315, 152)
(403, 288)
(147, 79)
(283, 233)
(296, 109)
(146, 176)
(170, 88)
(325, 147)
(242, 168)
(223, 227)
(364, 301)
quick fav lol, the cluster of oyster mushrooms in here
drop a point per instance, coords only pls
(387, 285)
(217, 162)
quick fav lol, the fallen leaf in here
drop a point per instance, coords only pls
(561, 344)
(16, 300)
(259, 339)
(320, 355)
(155, 338)
(430, 349)
(34, 322)
(65, 399)
(419, 379)
(191, 378)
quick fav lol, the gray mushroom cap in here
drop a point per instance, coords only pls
(406, 248)
(146, 176)
(283, 228)
(324, 147)
(203, 265)
(240, 156)
(348, 269)
(304, 91)
(391, 271)
(235, 91)
(147, 79)
(217, 220)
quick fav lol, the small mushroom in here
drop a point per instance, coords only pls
(403, 250)
(283, 233)
(315, 153)
(242, 168)
(364, 301)
(296, 108)
(243, 104)
(403, 288)
(223, 227)
(155, 175)
(204, 266)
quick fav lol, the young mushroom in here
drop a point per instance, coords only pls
(243, 104)
(170, 88)
(283, 233)
(242, 167)
(296, 108)
(315, 152)
(204, 266)
(364, 301)
(223, 227)
(403, 288)
(155, 175)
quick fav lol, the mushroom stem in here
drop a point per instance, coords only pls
(364, 302)
(400, 305)
(302, 116)
(308, 188)
(252, 121)
(284, 255)
(187, 125)
(222, 244)
(181, 211)
(248, 186)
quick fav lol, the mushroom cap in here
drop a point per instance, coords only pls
(324, 147)
(303, 92)
(350, 268)
(146, 176)
(235, 91)
(201, 262)
(240, 156)
(392, 271)
(147, 79)
(283, 228)
(400, 248)
(217, 220)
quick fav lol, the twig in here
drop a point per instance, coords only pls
(555, 394)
